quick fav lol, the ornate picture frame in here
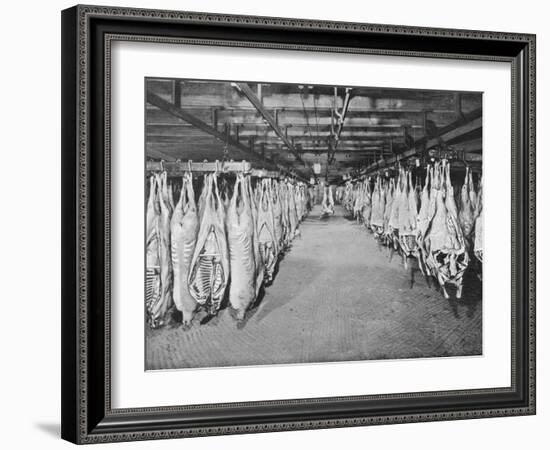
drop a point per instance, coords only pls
(87, 35)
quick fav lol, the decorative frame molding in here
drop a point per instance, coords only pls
(87, 35)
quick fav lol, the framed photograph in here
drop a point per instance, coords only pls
(278, 224)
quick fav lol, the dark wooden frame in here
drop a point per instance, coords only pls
(87, 32)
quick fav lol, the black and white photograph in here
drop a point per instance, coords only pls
(299, 223)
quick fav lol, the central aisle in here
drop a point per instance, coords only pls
(336, 297)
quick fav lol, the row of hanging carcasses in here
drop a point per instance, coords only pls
(424, 222)
(228, 242)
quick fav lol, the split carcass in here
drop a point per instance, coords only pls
(184, 228)
(446, 253)
(209, 271)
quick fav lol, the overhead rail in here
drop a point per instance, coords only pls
(178, 168)
(466, 124)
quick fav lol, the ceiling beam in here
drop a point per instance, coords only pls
(251, 127)
(292, 132)
(356, 153)
(322, 112)
(252, 118)
(249, 94)
(160, 103)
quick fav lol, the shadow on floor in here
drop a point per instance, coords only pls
(53, 429)
(471, 295)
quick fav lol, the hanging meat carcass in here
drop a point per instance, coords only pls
(209, 272)
(285, 220)
(330, 198)
(293, 216)
(170, 195)
(266, 230)
(240, 236)
(423, 220)
(408, 219)
(152, 288)
(398, 202)
(158, 309)
(310, 197)
(445, 248)
(388, 231)
(258, 263)
(478, 238)
(466, 216)
(367, 203)
(300, 201)
(327, 206)
(378, 208)
(316, 195)
(277, 215)
(166, 270)
(184, 228)
(347, 197)
(472, 191)
(166, 193)
(306, 200)
(203, 196)
(357, 202)
(297, 202)
(306, 196)
(226, 197)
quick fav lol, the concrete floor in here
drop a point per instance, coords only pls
(336, 297)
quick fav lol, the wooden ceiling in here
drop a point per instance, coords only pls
(294, 126)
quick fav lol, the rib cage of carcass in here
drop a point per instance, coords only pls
(443, 241)
(209, 272)
(152, 284)
(159, 277)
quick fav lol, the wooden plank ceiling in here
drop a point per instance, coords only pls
(294, 126)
